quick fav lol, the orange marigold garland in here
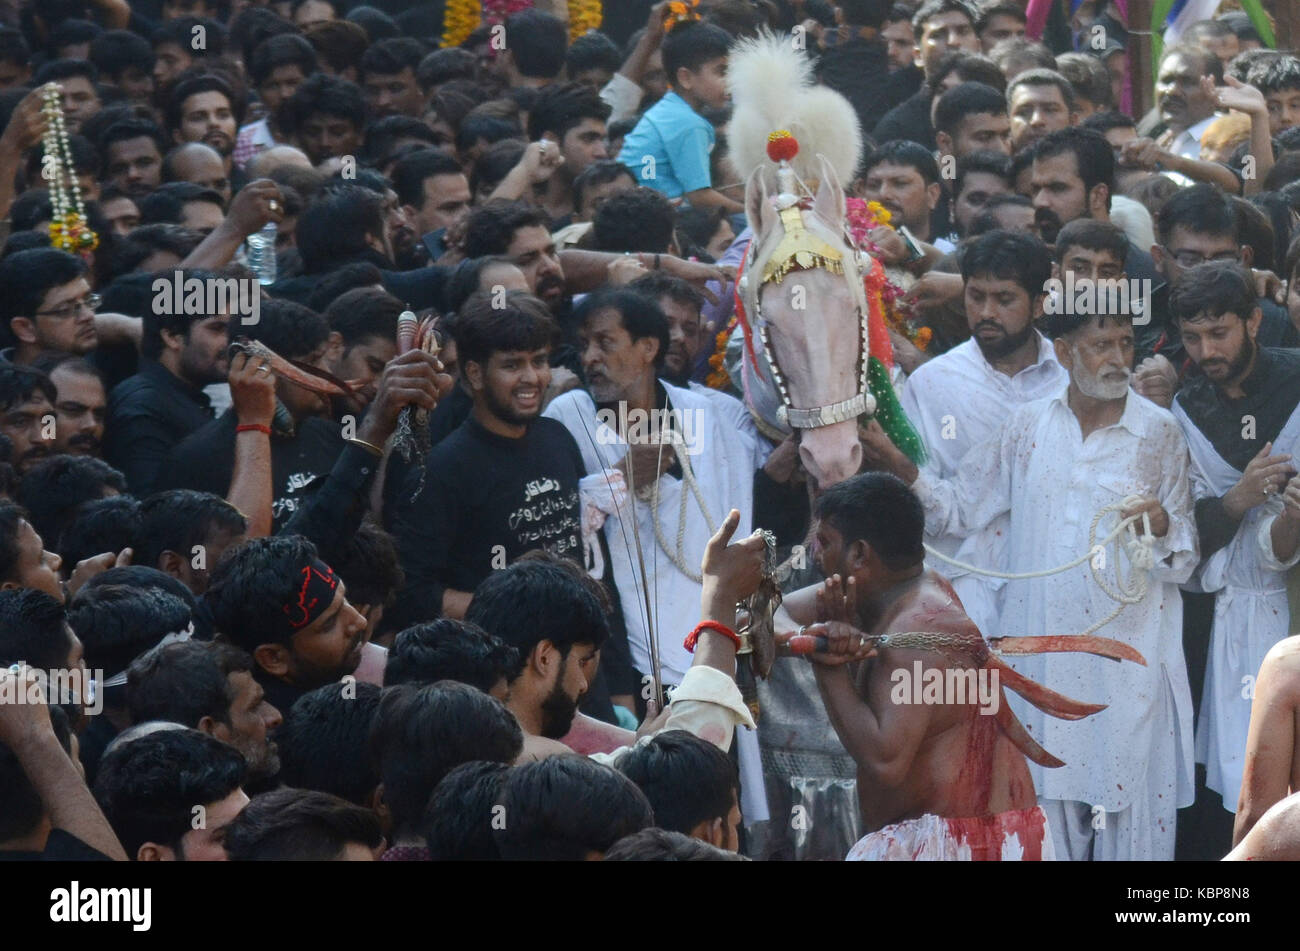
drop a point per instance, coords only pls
(681, 11)
(461, 18)
(584, 15)
(861, 218)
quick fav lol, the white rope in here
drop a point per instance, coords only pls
(651, 494)
(1139, 550)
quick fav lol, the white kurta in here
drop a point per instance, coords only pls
(1251, 613)
(725, 457)
(956, 401)
(1053, 482)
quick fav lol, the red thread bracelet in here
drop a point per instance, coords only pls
(717, 627)
(253, 428)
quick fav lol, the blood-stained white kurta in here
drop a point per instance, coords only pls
(724, 454)
(1250, 611)
(1052, 482)
(957, 401)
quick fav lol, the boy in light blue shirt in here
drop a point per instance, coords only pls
(669, 148)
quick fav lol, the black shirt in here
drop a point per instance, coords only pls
(61, 846)
(1271, 394)
(859, 70)
(487, 499)
(1161, 335)
(206, 461)
(148, 415)
(910, 119)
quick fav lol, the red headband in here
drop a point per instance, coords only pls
(313, 596)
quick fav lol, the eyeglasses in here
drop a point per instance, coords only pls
(1193, 258)
(90, 302)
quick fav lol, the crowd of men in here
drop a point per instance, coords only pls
(340, 599)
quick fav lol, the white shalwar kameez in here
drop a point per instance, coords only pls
(724, 452)
(956, 401)
(1251, 612)
(1129, 767)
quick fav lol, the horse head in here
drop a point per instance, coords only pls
(805, 306)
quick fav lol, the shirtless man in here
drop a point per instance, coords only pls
(935, 781)
(1272, 768)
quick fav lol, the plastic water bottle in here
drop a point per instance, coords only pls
(261, 253)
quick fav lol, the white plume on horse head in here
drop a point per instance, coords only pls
(772, 87)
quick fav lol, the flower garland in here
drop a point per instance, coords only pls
(68, 228)
(861, 217)
(584, 15)
(681, 11)
(460, 19)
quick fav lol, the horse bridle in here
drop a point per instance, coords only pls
(801, 250)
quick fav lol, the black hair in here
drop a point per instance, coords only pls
(987, 162)
(868, 12)
(491, 129)
(690, 45)
(55, 486)
(640, 316)
(903, 152)
(179, 520)
(687, 780)
(422, 731)
(556, 606)
(881, 510)
(384, 135)
(340, 43)
(564, 106)
(523, 324)
(58, 69)
(360, 314)
(564, 807)
(1207, 29)
(1211, 290)
(491, 227)
(444, 65)
(987, 13)
(301, 825)
(184, 682)
(20, 384)
(379, 26)
(14, 48)
(390, 56)
(323, 741)
(193, 86)
(457, 824)
(1200, 209)
(252, 583)
(148, 787)
(26, 277)
(368, 563)
(447, 649)
(660, 845)
(593, 50)
(1239, 22)
(657, 285)
(97, 526)
(132, 128)
(334, 227)
(291, 330)
(1211, 65)
(1255, 230)
(640, 219)
(968, 99)
(33, 629)
(173, 238)
(115, 51)
(933, 8)
(118, 623)
(1106, 120)
(21, 807)
(538, 41)
(323, 94)
(166, 203)
(285, 49)
(493, 166)
(599, 173)
(355, 275)
(1089, 77)
(411, 171)
(1093, 156)
(1009, 255)
(253, 26)
(1045, 77)
(1091, 235)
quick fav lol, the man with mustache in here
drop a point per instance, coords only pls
(961, 397)
(904, 177)
(1050, 467)
(1186, 109)
(203, 109)
(45, 304)
(1239, 414)
(81, 403)
(26, 414)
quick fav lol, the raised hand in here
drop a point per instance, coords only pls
(414, 379)
(732, 571)
(1264, 475)
(252, 389)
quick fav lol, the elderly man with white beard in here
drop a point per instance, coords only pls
(1053, 465)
